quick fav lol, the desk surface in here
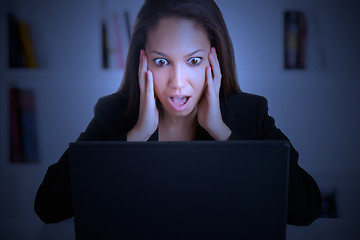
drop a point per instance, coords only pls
(34, 229)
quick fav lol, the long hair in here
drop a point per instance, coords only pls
(204, 13)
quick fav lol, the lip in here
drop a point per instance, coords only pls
(176, 107)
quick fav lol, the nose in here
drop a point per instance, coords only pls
(177, 80)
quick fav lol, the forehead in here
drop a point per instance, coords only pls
(176, 34)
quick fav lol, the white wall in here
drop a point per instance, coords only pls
(316, 108)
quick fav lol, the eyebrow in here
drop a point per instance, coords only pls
(188, 55)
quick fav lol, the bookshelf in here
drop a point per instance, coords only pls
(70, 79)
(67, 83)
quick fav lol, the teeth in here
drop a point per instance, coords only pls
(179, 100)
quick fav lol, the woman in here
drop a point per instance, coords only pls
(179, 84)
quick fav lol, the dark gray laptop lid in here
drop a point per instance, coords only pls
(180, 190)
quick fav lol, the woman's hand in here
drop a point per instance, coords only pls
(148, 114)
(208, 112)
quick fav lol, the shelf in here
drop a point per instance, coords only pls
(59, 78)
(298, 79)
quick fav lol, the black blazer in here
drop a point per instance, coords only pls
(245, 114)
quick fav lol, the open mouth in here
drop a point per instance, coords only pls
(179, 100)
(179, 103)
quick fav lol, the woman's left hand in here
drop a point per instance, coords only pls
(208, 111)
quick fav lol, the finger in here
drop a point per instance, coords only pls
(150, 85)
(142, 70)
(213, 51)
(209, 80)
(214, 63)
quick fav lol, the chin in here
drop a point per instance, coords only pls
(183, 113)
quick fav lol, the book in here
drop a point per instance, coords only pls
(294, 40)
(16, 58)
(127, 22)
(329, 204)
(15, 125)
(23, 130)
(113, 36)
(119, 45)
(105, 47)
(27, 45)
(21, 48)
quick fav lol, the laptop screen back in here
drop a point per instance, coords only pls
(180, 190)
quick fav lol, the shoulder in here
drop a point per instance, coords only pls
(110, 114)
(245, 102)
(244, 113)
(244, 96)
(111, 104)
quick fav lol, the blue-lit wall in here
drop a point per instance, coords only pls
(316, 108)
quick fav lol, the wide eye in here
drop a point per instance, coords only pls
(161, 62)
(194, 60)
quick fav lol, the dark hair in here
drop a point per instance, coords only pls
(204, 13)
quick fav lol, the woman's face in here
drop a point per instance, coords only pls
(177, 53)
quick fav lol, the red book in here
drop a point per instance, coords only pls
(23, 130)
(15, 131)
(28, 126)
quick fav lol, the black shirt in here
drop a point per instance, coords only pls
(245, 114)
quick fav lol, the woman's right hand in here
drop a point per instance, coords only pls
(148, 114)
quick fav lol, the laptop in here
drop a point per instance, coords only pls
(180, 190)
